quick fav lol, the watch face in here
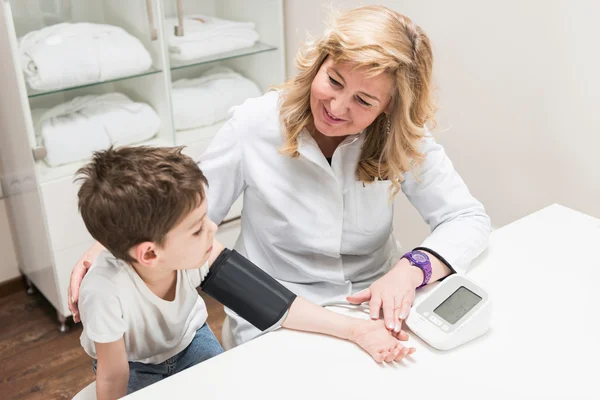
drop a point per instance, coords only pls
(420, 258)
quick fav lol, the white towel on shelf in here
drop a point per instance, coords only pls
(66, 55)
(204, 36)
(72, 131)
(206, 100)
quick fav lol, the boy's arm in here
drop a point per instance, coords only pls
(216, 250)
(309, 317)
(371, 336)
(112, 370)
(264, 298)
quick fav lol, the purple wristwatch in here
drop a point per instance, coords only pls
(421, 261)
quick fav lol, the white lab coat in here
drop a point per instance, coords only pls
(314, 227)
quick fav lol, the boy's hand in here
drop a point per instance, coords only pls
(380, 343)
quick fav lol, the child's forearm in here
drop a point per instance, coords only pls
(371, 336)
(307, 316)
(216, 250)
(111, 386)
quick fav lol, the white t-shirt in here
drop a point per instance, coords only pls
(115, 302)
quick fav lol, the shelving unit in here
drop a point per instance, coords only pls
(48, 231)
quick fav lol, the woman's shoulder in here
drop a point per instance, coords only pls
(435, 161)
(256, 112)
(429, 148)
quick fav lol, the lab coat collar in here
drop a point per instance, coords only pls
(308, 147)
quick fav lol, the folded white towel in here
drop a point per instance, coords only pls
(72, 131)
(206, 100)
(203, 27)
(194, 50)
(204, 36)
(66, 55)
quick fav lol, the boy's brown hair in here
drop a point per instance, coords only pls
(131, 195)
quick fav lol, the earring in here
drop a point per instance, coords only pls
(388, 125)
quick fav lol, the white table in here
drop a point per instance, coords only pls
(542, 273)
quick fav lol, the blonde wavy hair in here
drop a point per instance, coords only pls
(381, 41)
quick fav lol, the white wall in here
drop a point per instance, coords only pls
(520, 94)
(8, 263)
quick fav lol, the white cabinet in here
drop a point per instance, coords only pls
(41, 195)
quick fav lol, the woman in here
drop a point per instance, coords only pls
(319, 161)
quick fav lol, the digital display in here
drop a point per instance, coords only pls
(457, 305)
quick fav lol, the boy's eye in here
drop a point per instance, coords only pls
(334, 82)
(197, 232)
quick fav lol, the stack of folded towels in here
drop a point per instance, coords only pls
(72, 131)
(67, 55)
(205, 36)
(206, 100)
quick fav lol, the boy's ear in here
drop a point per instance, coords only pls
(145, 254)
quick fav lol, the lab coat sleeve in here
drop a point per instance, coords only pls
(459, 226)
(222, 164)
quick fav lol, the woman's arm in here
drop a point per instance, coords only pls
(222, 164)
(77, 275)
(459, 232)
(460, 227)
(395, 291)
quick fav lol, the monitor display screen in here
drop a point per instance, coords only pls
(457, 305)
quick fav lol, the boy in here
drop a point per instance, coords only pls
(142, 316)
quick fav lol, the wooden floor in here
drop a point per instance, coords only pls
(39, 362)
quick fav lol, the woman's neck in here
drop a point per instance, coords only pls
(327, 144)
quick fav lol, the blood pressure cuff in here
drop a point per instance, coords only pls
(246, 289)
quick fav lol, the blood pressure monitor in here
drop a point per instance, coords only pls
(454, 312)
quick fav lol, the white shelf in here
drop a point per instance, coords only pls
(48, 174)
(32, 93)
(47, 220)
(258, 48)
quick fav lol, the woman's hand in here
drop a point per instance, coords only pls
(394, 292)
(375, 339)
(77, 275)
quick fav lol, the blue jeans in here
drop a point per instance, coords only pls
(204, 346)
